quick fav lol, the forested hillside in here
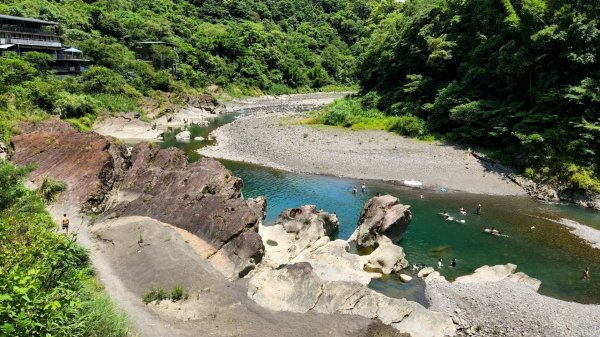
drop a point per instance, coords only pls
(244, 47)
(268, 44)
(520, 77)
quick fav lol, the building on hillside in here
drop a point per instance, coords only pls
(150, 52)
(23, 35)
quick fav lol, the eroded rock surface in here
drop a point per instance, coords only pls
(304, 271)
(91, 165)
(297, 288)
(498, 273)
(382, 215)
(202, 198)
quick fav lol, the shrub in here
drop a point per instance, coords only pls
(177, 293)
(50, 188)
(410, 126)
(44, 288)
(74, 105)
(155, 294)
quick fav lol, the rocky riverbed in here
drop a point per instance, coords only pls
(162, 220)
(270, 133)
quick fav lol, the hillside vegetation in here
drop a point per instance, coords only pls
(246, 47)
(46, 284)
(517, 78)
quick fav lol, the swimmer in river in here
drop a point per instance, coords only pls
(487, 230)
(586, 273)
(440, 264)
(354, 190)
(478, 209)
(453, 263)
(363, 187)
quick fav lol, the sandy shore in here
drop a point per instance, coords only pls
(133, 130)
(269, 134)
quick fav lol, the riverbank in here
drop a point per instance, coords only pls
(506, 308)
(271, 136)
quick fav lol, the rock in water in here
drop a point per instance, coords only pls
(183, 136)
(405, 278)
(383, 215)
(295, 230)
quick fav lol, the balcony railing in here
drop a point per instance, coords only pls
(40, 43)
(64, 56)
(26, 30)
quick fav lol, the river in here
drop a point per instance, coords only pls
(535, 242)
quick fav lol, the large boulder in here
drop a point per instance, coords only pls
(295, 230)
(332, 261)
(382, 215)
(387, 258)
(202, 198)
(90, 164)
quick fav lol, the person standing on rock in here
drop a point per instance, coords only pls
(586, 273)
(65, 223)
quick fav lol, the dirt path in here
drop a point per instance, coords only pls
(216, 307)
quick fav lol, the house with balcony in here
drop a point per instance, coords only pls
(22, 35)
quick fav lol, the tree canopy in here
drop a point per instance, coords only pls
(521, 77)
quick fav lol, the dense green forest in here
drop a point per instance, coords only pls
(46, 284)
(519, 77)
(244, 47)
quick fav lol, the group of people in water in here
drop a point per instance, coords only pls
(363, 188)
(440, 264)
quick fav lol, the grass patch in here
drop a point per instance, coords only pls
(349, 113)
(177, 293)
(85, 123)
(155, 294)
(103, 320)
(118, 103)
(338, 88)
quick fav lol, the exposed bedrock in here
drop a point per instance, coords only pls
(303, 270)
(382, 215)
(91, 165)
(203, 198)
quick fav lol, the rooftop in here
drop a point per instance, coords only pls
(29, 20)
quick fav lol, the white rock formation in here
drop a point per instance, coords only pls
(498, 273)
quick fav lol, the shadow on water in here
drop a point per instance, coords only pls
(541, 248)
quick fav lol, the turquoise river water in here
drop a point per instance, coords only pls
(539, 246)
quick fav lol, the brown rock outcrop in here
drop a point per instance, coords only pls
(88, 163)
(203, 198)
(383, 215)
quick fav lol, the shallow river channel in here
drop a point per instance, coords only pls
(536, 241)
